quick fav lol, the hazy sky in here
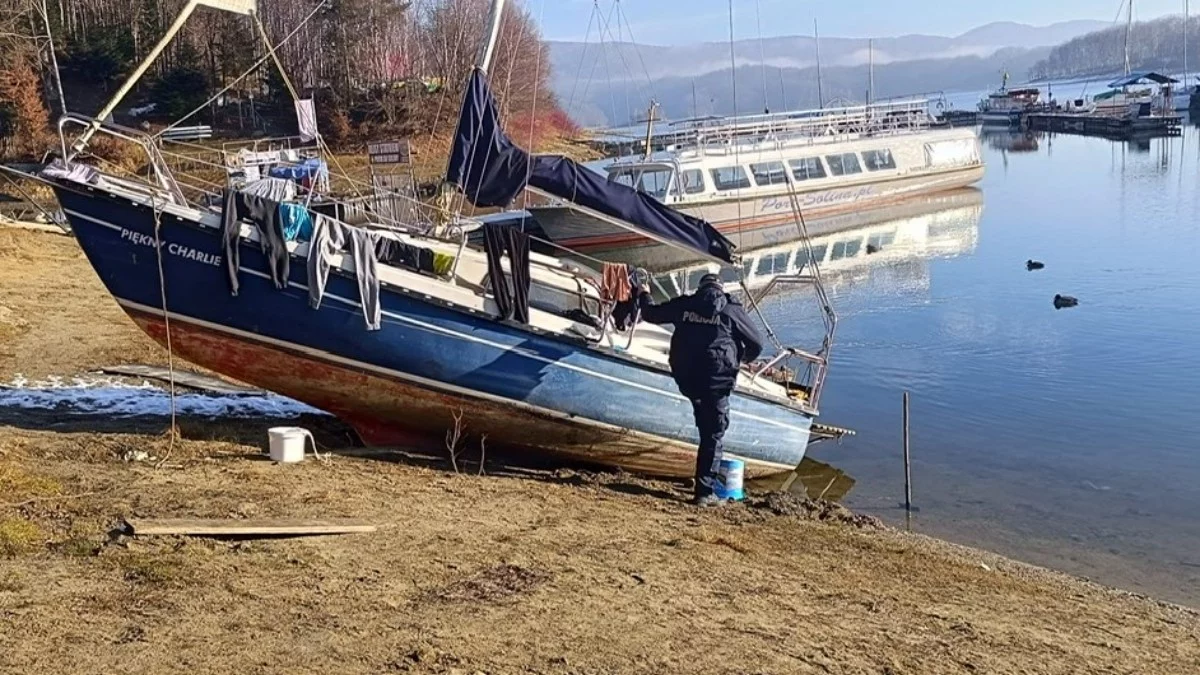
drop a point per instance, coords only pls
(684, 21)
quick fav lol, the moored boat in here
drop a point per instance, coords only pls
(1008, 107)
(750, 188)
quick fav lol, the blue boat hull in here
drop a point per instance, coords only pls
(404, 383)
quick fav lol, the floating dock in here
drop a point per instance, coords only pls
(1108, 126)
(959, 118)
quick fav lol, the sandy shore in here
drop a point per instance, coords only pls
(522, 569)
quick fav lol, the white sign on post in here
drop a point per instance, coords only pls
(389, 152)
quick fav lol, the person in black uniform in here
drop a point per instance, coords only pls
(713, 337)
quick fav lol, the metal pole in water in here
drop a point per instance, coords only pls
(907, 462)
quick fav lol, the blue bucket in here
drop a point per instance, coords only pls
(729, 480)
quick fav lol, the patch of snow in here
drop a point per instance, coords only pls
(114, 397)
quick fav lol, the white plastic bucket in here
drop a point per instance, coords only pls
(287, 443)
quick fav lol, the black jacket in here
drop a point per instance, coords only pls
(713, 337)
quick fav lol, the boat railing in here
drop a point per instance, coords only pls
(186, 173)
(900, 116)
(800, 370)
(164, 183)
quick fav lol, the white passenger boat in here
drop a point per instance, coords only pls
(747, 176)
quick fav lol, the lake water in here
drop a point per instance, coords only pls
(1065, 438)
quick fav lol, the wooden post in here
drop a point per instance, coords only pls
(907, 462)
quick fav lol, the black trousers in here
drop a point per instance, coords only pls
(711, 410)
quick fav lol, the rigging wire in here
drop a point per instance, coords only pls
(633, 40)
(620, 13)
(612, 100)
(458, 45)
(537, 77)
(250, 71)
(592, 73)
(621, 53)
(583, 54)
(1116, 19)
(162, 288)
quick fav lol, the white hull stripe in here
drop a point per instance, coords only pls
(471, 338)
(416, 379)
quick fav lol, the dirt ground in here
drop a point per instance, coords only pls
(524, 569)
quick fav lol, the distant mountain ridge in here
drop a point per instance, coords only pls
(592, 84)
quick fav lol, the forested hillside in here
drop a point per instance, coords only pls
(374, 66)
(1153, 45)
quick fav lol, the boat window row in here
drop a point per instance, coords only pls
(656, 181)
(806, 168)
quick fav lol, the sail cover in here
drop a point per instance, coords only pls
(492, 171)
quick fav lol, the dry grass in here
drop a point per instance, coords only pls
(18, 536)
(521, 572)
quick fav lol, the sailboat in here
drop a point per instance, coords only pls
(1134, 95)
(564, 380)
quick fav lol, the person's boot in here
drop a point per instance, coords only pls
(707, 501)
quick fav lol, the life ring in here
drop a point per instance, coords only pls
(941, 105)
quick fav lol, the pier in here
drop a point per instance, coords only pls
(1107, 126)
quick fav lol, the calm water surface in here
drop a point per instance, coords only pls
(1064, 438)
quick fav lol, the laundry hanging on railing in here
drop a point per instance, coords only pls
(395, 252)
(264, 214)
(513, 301)
(297, 222)
(331, 237)
(614, 284)
(492, 171)
(308, 173)
(275, 189)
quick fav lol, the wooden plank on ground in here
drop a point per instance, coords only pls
(183, 378)
(196, 527)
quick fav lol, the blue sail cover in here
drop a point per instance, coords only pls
(492, 171)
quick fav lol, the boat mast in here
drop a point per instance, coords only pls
(1185, 45)
(817, 42)
(1128, 29)
(870, 71)
(489, 47)
(650, 127)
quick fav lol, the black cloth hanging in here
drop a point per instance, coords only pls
(491, 170)
(393, 252)
(625, 314)
(264, 214)
(499, 240)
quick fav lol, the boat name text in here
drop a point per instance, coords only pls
(819, 198)
(173, 248)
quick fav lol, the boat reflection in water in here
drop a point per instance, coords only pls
(1011, 140)
(906, 236)
(812, 479)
